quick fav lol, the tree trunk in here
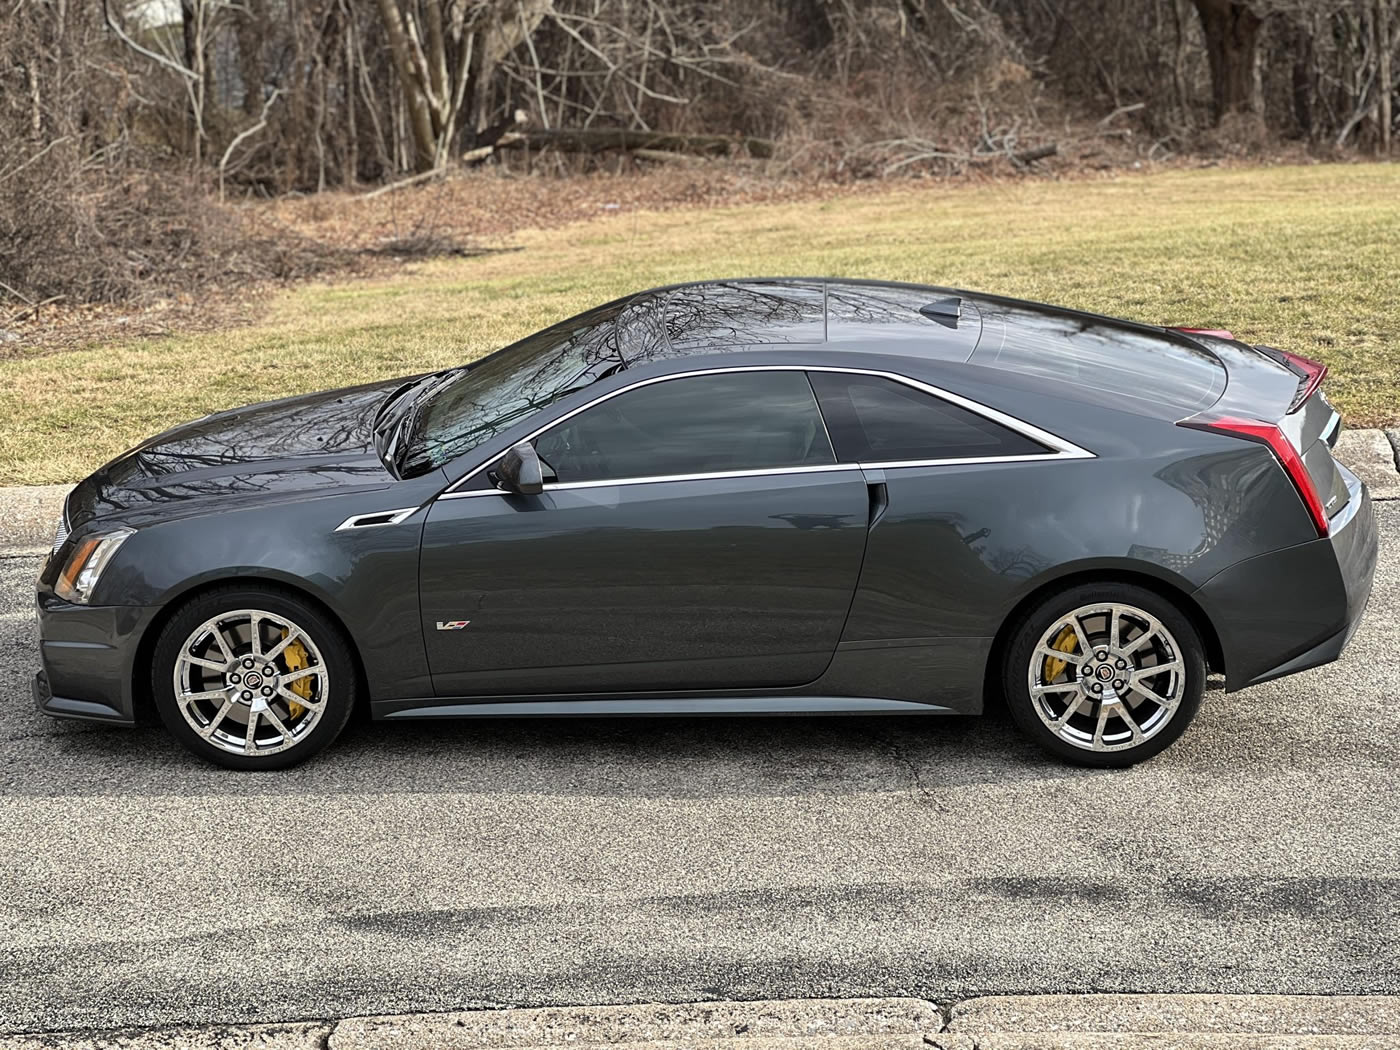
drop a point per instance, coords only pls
(1231, 31)
(1297, 40)
(1384, 84)
(188, 32)
(350, 173)
(193, 26)
(251, 28)
(414, 91)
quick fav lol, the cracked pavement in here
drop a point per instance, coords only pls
(430, 867)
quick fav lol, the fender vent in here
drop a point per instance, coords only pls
(374, 519)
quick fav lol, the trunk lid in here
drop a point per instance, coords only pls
(1263, 384)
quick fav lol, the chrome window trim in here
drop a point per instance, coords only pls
(395, 517)
(1062, 449)
(769, 472)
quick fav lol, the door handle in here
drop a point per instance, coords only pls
(879, 501)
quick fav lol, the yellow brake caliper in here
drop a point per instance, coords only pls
(296, 658)
(1065, 643)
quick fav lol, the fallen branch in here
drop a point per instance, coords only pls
(32, 310)
(933, 154)
(593, 140)
(1120, 111)
(26, 163)
(1039, 153)
(489, 138)
(1020, 159)
(665, 156)
(1026, 156)
(412, 180)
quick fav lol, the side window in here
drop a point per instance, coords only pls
(875, 420)
(693, 425)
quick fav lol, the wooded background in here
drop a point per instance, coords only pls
(119, 119)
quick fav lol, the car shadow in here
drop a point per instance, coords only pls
(621, 757)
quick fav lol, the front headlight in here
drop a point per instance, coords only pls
(84, 566)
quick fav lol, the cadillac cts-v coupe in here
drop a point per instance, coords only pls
(795, 496)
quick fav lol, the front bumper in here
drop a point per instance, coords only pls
(88, 656)
(1295, 608)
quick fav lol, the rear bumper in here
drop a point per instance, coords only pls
(87, 656)
(1296, 608)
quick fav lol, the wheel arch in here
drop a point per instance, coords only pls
(143, 703)
(1162, 587)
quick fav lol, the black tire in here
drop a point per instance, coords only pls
(326, 636)
(1031, 627)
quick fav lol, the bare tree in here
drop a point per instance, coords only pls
(442, 51)
(1232, 47)
(189, 62)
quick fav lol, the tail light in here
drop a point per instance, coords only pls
(1283, 450)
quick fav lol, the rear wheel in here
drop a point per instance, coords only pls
(1105, 674)
(253, 678)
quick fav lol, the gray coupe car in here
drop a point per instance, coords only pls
(778, 496)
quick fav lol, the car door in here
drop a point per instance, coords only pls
(698, 534)
(938, 569)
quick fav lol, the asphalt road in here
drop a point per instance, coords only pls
(429, 867)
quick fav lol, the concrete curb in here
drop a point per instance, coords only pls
(1371, 457)
(29, 513)
(1018, 1022)
(1234, 1015)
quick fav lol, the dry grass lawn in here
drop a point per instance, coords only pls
(1305, 258)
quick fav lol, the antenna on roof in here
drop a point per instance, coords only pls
(944, 311)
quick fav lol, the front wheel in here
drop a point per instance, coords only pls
(253, 678)
(1104, 674)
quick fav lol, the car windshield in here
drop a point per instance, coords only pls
(503, 388)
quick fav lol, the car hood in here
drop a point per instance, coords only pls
(259, 453)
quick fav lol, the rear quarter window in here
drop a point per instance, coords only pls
(874, 420)
(1115, 366)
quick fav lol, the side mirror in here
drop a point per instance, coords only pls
(519, 470)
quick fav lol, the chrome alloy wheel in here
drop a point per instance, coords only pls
(251, 682)
(1106, 677)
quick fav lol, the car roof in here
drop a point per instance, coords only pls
(1145, 368)
(845, 313)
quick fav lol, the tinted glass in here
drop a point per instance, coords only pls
(500, 390)
(503, 388)
(1119, 367)
(697, 425)
(875, 420)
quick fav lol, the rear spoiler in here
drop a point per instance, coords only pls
(1310, 373)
